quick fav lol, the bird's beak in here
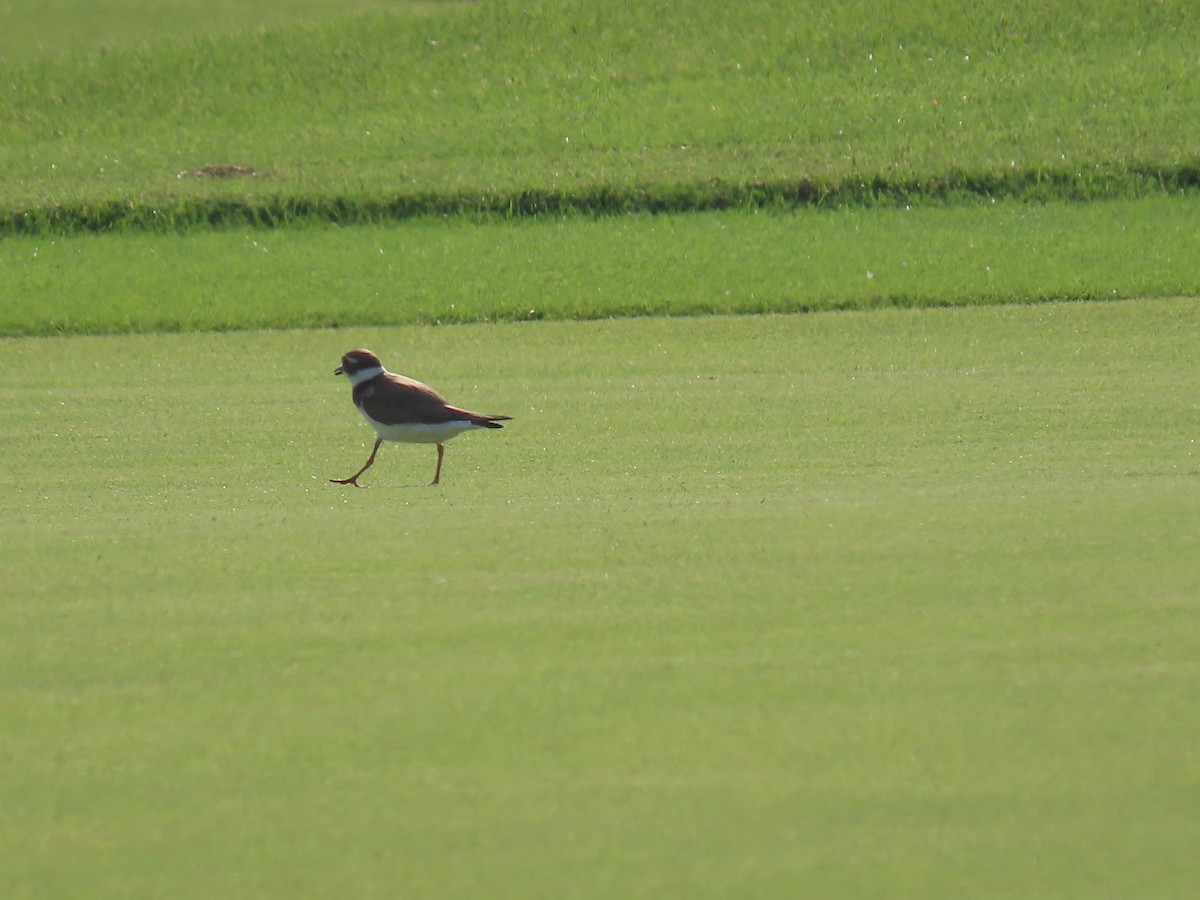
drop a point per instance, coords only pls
(337, 371)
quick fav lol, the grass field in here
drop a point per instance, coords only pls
(435, 106)
(895, 597)
(887, 603)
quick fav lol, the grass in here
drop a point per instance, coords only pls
(434, 106)
(576, 267)
(887, 603)
(55, 29)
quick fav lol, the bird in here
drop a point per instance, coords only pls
(403, 409)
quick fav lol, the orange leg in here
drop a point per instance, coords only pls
(438, 474)
(353, 479)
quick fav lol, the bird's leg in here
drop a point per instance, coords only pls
(353, 479)
(438, 474)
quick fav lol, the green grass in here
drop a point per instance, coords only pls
(898, 603)
(887, 603)
(55, 28)
(575, 267)
(608, 104)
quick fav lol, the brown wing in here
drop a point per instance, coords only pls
(395, 400)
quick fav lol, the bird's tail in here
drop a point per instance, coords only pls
(482, 420)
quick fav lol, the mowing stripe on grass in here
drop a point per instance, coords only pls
(579, 267)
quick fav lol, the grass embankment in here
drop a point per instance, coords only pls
(888, 603)
(609, 107)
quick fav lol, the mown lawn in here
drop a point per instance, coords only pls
(437, 270)
(897, 602)
(872, 601)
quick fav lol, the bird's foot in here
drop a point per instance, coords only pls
(353, 480)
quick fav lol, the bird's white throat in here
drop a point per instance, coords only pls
(364, 374)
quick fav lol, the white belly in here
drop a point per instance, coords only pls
(420, 434)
